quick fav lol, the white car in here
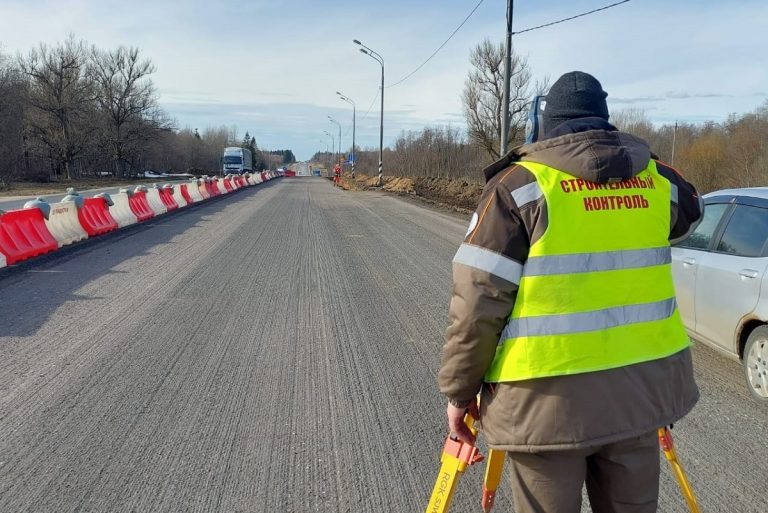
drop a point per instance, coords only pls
(719, 275)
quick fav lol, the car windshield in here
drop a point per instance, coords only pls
(233, 160)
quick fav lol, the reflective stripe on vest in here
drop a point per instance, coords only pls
(596, 292)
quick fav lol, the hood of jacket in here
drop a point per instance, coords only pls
(589, 148)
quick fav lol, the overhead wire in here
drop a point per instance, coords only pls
(570, 18)
(409, 75)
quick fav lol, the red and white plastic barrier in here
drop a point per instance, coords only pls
(193, 189)
(94, 216)
(184, 189)
(203, 189)
(121, 209)
(155, 203)
(40, 227)
(23, 235)
(139, 204)
(178, 198)
(166, 196)
(63, 223)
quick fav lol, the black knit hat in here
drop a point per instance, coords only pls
(575, 95)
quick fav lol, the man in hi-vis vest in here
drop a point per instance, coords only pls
(563, 313)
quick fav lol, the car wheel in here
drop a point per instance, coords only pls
(756, 363)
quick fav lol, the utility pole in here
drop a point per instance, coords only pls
(507, 74)
(674, 138)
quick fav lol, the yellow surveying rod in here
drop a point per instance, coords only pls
(665, 440)
(456, 457)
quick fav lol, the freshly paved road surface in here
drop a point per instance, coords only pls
(273, 351)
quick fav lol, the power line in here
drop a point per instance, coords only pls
(409, 75)
(370, 106)
(570, 18)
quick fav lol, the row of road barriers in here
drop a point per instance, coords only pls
(41, 227)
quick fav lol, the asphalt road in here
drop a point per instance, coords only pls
(15, 202)
(273, 351)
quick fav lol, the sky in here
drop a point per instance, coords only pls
(272, 68)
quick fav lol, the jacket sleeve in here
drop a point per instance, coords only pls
(687, 206)
(486, 273)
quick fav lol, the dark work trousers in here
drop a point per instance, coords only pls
(621, 477)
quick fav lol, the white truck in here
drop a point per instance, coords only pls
(237, 160)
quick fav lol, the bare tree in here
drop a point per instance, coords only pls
(11, 120)
(483, 96)
(127, 100)
(59, 97)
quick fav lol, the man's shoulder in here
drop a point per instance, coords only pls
(511, 178)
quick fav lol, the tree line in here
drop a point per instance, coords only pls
(711, 155)
(72, 110)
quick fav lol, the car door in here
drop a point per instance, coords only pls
(729, 278)
(686, 256)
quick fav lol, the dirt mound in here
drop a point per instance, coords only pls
(458, 193)
(400, 185)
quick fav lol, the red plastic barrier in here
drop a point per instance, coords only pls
(263, 177)
(140, 207)
(212, 189)
(166, 195)
(95, 217)
(185, 194)
(227, 184)
(23, 234)
(241, 181)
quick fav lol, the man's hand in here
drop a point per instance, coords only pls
(456, 425)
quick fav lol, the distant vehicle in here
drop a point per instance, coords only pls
(720, 278)
(237, 161)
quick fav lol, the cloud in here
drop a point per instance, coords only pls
(684, 94)
(637, 99)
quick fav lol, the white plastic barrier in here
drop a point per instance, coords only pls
(193, 189)
(178, 197)
(251, 180)
(2, 260)
(64, 224)
(220, 185)
(121, 209)
(203, 190)
(155, 203)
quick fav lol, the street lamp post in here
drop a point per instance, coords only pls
(333, 142)
(348, 100)
(378, 58)
(338, 160)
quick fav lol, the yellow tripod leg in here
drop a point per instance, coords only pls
(445, 485)
(455, 459)
(665, 439)
(493, 469)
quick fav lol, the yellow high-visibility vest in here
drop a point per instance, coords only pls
(596, 291)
